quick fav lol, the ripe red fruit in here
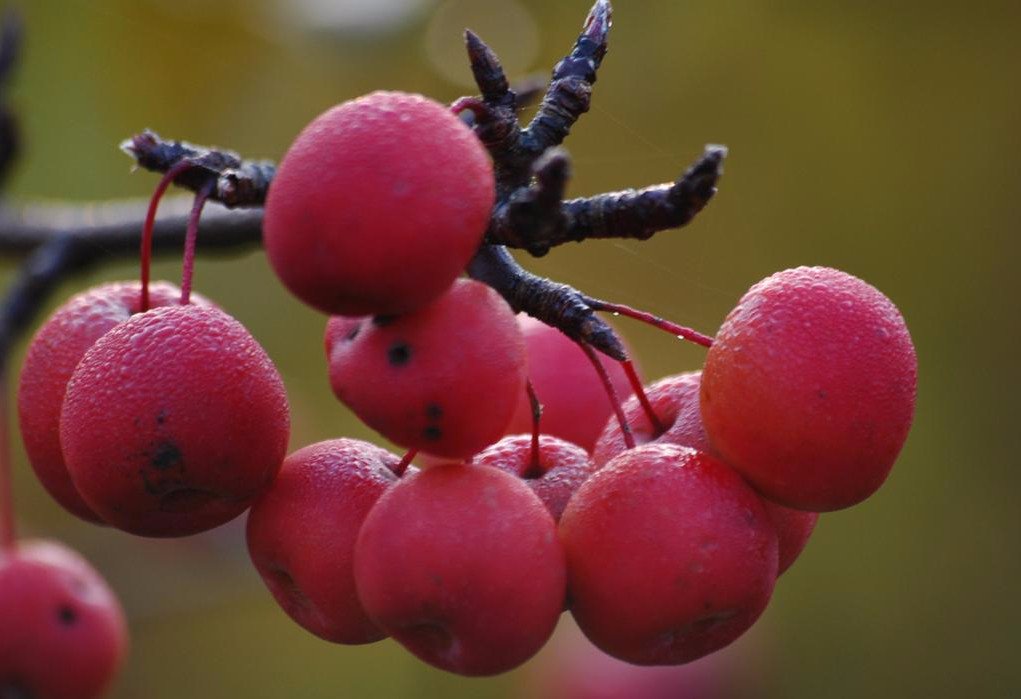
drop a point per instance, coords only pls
(675, 400)
(670, 555)
(63, 634)
(52, 356)
(462, 566)
(378, 205)
(574, 402)
(174, 422)
(809, 388)
(554, 476)
(444, 379)
(302, 531)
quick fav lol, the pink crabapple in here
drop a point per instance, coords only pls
(378, 205)
(809, 388)
(174, 422)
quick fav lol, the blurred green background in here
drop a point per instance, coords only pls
(881, 138)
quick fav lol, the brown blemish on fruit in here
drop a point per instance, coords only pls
(432, 433)
(399, 353)
(66, 615)
(165, 456)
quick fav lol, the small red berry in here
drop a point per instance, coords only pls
(809, 388)
(52, 356)
(62, 631)
(443, 379)
(462, 566)
(301, 534)
(174, 422)
(670, 555)
(378, 205)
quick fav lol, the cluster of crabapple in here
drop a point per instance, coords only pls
(663, 532)
(662, 523)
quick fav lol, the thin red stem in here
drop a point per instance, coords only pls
(636, 386)
(629, 439)
(190, 237)
(8, 532)
(150, 222)
(400, 468)
(679, 331)
(533, 399)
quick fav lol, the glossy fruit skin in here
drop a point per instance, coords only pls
(378, 205)
(444, 379)
(675, 400)
(575, 406)
(63, 634)
(809, 389)
(52, 356)
(174, 422)
(670, 555)
(301, 534)
(562, 467)
(462, 566)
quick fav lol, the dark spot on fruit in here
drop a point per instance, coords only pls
(399, 353)
(66, 615)
(166, 455)
(432, 433)
(433, 411)
(821, 393)
(353, 333)
(161, 417)
(383, 320)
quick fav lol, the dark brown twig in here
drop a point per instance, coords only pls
(239, 182)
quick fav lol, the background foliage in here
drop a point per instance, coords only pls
(881, 138)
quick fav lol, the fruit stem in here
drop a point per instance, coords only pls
(190, 238)
(625, 429)
(400, 468)
(533, 399)
(636, 386)
(150, 222)
(7, 528)
(679, 331)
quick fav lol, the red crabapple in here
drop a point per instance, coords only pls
(443, 379)
(461, 565)
(574, 402)
(52, 355)
(301, 534)
(174, 422)
(670, 555)
(63, 634)
(378, 205)
(809, 388)
(675, 400)
(560, 468)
